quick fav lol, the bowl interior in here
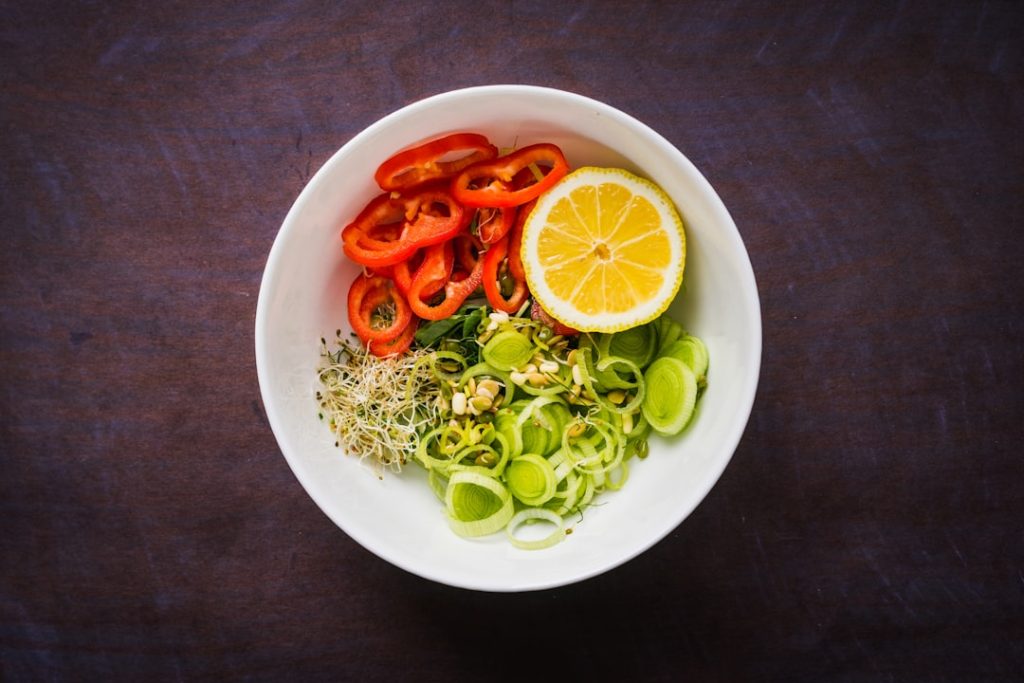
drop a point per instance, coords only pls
(302, 298)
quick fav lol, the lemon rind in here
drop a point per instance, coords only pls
(608, 322)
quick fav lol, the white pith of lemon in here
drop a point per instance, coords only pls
(604, 250)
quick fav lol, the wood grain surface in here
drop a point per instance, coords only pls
(869, 527)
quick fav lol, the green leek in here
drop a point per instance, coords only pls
(477, 505)
(531, 479)
(508, 350)
(532, 515)
(671, 395)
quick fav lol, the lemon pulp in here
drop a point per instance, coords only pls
(604, 250)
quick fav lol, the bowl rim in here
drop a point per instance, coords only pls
(743, 404)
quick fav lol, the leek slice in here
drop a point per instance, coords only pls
(531, 479)
(568, 493)
(641, 428)
(590, 456)
(438, 483)
(533, 515)
(637, 386)
(668, 331)
(447, 364)
(437, 447)
(671, 395)
(597, 345)
(637, 344)
(464, 460)
(615, 484)
(473, 451)
(562, 465)
(559, 387)
(540, 423)
(587, 370)
(477, 505)
(506, 423)
(526, 407)
(595, 453)
(508, 350)
(588, 493)
(691, 351)
(481, 368)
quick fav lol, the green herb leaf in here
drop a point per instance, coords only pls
(471, 322)
(434, 331)
(460, 326)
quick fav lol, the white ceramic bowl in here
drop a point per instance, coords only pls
(302, 297)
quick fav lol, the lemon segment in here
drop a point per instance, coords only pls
(604, 250)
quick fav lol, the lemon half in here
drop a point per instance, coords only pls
(604, 250)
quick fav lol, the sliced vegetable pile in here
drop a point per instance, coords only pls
(517, 417)
(442, 228)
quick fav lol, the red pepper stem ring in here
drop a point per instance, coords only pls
(437, 267)
(496, 223)
(366, 295)
(485, 184)
(431, 216)
(398, 345)
(515, 241)
(424, 163)
(493, 259)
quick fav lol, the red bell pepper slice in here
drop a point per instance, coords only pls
(403, 273)
(378, 225)
(467, 252)
(436, 267)
(493, 259)
(423, 163)
(495, 223)
(487, 183)
(507, 250)
(429, 216)
(366, 295)
(515, 242)
(399, 344)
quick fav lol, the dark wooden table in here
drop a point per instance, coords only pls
(869, 525)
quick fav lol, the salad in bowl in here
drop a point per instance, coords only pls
(508, 338)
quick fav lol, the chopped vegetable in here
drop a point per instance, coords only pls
(637, 344)
(691, 351)
(535, 417)
(532, 479)
(508, 350)
(533, 515)
(495, 224)
(390, 229)
(437, 268)
(671, 395)
(489, 183)
(376, 311)
(477, 505)
(505, 291)
(431, 161)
